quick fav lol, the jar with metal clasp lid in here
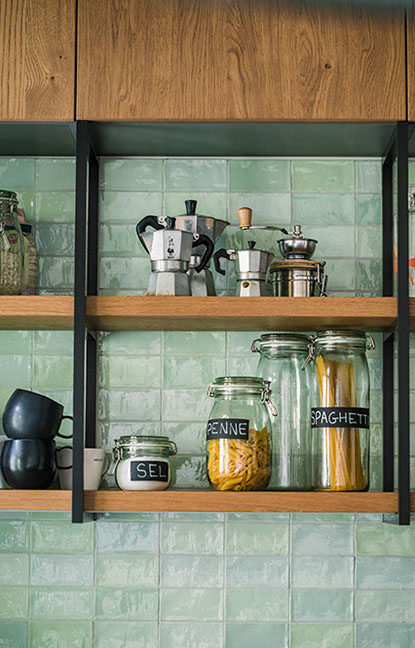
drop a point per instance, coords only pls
(239, 434)
(340, 411)
(11, 245)
(142, 462)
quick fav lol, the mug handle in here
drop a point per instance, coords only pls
(57, 465)
(62, 435)
(106, 465)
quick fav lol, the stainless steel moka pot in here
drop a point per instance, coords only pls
(201, 282)
(170, 250)
(297, 275)
(251, 269)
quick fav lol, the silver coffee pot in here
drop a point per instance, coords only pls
(170, 250)
(251, 269)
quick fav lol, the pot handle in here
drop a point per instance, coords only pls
(202, 239)
(220, 254)
(62, 435)
(147, 221)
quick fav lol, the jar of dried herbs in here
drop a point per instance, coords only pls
(11, 245)
(340, 411)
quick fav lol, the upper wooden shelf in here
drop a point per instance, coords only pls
(39, 312)
(203, 501)
(240, 314)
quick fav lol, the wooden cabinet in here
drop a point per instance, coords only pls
(410, 53)
(239, 60)
(37, 60)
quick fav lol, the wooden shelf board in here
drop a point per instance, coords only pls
(204, 501)
(38, 312)
(241, 314)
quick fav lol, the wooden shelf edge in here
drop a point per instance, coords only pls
(35, 500)
(36, 312)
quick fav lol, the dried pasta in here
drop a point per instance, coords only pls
(239, 465)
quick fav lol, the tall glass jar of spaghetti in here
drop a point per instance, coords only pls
(341, 411)
(239, 434)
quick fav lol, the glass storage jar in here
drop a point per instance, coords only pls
(281, 358)
(11, 245)
(238, 434)
(142, 462)
(340, 415)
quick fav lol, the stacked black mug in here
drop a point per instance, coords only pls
(31, 421)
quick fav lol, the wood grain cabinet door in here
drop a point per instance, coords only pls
(239, 60)
(411, 63)
(37, 60)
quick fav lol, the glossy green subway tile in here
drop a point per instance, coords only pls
(329, 518)
(13, 634)
(53, 174)
(191, 343)
(268, 209)
(383, 572)
(141, 537)
(16, 342)
(191, 604)
(179, 371)
(115, 240)
(321, 571)
(131, 175)
(14, 569)
(369, 241)
(191, 635)
(13, 602)
(369, 276)
(369, 209)
(129, 406)
(56, 240)
(60, 634)
(192, 538)
(125, 634)
(257, 571)
(186, 405)
(61, 603)
(191, 571)
(61, 537)
(194, 516)
(341, 275)
(209, 204)
(190, 438)
(52, 371)
(239, 366)
(126, 604)
(259, 175)
(335, 241)
(15, 370)
(250, 538)
(54, 207)
(387, 605)
(195, 175)
(128, 207)
(368, 176)
(323, 209)
(310, 635)
(385, 540)
(189, 472)
(322, 539)
(131, 343)
(247, 635)
(108, 432)
(26, 200)
(122, 273)
(239, 342)
(323, 175)
(256, 605)
(14, 536)
(126, 570)
(257, 517)
(54, 570)
(121, 371)
(56, 273)
(385, 635)
(52, 342)
(323, 605)
(17, 173)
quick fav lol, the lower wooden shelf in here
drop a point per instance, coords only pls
(204, 501)
(37, 312)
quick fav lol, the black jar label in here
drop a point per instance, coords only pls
(340, 417)
(149, 471)
(227, 428)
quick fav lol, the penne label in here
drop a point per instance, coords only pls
(228, 429)
(340, 417)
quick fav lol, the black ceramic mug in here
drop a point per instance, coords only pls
(29, 463)
(29, 415)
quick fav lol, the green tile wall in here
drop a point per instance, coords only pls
(173, 580)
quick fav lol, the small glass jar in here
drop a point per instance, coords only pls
(340, 415)
(239, 434)
(142, 462)
(11, 245)
(282, 356)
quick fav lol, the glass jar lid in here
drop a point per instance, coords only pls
(150, 444)
(8, 198)
(244, 385)
(332, 340)
(270, 343)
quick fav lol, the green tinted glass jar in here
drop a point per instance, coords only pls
(11, 245)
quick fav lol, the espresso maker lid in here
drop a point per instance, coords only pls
(296, 246)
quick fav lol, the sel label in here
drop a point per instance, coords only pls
(149, 471)
(340, 417)
(227, 429)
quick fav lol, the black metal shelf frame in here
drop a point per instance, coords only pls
(86, 283)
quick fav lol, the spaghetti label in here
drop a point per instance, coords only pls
(227, 429)
(340, 417)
